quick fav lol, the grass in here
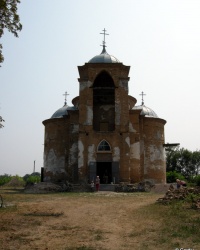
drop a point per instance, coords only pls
(150, 226)
(179, 225)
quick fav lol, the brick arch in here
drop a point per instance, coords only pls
(103, 79)
(103, 102)
(104, 146)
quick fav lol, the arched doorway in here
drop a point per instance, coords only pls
(104, 162)
(104, 167)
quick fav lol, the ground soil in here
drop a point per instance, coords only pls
(99, 220)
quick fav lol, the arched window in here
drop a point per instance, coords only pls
(104, 146)
(104, 103)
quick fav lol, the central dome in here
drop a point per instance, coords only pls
(104, 57)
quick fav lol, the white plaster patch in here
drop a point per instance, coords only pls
(116, 154)
(156, 153)
(84, 85)
(135, 151)
(75, 128)
(54, 164)
(127, 140)
(73, 154)
(80, 154)
(91, 153)
(158, 135)
(124, 84)
(131, 129)
(89, 116)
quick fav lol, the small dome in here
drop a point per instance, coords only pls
(62, 112)
(104, 57)
(145, 111)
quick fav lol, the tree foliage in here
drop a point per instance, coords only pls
(183, 161)
(172, 176)
(9, 19)
(1, 120)
(5, 179)
(32, 178)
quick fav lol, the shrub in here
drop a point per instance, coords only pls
(33, 179)
(5, 179)
(173, 175)
(196, 180)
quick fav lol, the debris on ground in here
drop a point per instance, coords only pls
(42, 187)
(183, 193)
(14, 182)
(49, 187)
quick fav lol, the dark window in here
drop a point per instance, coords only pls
(104, 103)
(104, 146)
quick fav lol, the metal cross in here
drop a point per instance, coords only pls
(104, 37)
(142, 94)
(65, 94)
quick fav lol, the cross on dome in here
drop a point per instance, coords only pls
(142, 94)
(104, 39)
(65, 94)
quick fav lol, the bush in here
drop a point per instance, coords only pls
(33, 179)
(5, 179)
(173, 175)
(196, 180)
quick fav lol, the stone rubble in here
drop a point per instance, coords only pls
(182, 194)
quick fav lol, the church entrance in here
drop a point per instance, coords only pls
(104, 171)
(107, 171)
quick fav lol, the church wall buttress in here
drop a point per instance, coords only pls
(135, 147)
(55, 150)
(154, 160)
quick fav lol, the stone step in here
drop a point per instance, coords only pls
(107, 187)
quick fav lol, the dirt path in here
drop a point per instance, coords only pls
(104, 220)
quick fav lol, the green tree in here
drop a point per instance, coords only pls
(9, 19)
(5, 179)
(172, 159)
(183, 161)
(1, 120)
(196, 161)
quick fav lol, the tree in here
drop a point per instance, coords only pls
(183, 161)
(196, 161)
(9, 19)
(1, 120)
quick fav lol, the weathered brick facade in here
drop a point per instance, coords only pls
(104, 133)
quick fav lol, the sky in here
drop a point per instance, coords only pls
(159, 39)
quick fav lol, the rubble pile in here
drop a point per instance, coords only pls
(42, 187)
(15, 182)
(49, 187)
(182, 193)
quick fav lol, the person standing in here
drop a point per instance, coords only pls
(97, 183)
(92, 186)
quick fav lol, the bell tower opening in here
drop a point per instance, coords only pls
(104, 103)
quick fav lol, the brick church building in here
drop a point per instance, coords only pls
(104, 133)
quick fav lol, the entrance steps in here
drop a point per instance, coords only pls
(107, 187)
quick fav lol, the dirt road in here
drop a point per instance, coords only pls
(87, 221)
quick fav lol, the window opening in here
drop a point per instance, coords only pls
(104, 146)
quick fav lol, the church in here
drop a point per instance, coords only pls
(104, 133)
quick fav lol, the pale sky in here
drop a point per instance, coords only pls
(159, 39)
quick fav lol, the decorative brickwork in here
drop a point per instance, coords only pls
(104, 111)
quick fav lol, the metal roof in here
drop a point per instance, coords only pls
(145, 111)
(60, 113)
(104, 57)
